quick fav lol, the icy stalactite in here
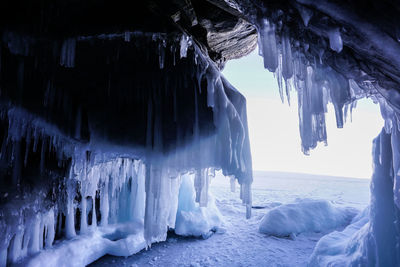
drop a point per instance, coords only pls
(287, 60)
(161, 53)
(184, 45)
(267, 45)
(335, 40)
(67, 56)
(278, 76)
(161, 192)
(316, 84)
(305, 13)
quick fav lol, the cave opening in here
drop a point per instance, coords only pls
(114, 120)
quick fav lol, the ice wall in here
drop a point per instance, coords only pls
(96, 136)
(373, 238)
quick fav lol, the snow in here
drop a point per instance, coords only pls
(305, 216)
(332, 248)
(242, 244)
(84, 249)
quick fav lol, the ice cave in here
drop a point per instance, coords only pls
(115, 117)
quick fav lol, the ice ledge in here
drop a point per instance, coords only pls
(117, 240)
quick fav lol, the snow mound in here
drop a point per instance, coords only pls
(338, 248)
(117, 240)
(191, 219)
(305, 216)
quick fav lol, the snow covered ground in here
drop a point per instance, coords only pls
(242, 244)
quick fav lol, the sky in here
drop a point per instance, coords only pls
(274, 131)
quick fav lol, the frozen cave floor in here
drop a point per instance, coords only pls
(242, 244)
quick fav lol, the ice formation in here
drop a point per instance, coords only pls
(83, 185)
(315, 83)
(373, 237)
(100, 118)
(330, 53)
(195, 219)
(305, 216)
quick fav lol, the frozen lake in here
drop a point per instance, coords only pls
(242, 244)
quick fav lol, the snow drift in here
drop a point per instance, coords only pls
(305, 216)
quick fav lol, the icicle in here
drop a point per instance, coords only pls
(104, 206)
(352, 106)
(34, 233)
(161, 53)
(67, 57)
(84, 224)
(346, 108)
(305, 13)
(49, 223)
(269, 50)
(94, 217)
(287, 61)
(70, 212)
(184, 44)
(340, 94)
(204, 190)
(335, 40)
(278, 74)
(16, 244)
(69, 221)
(210, 91)
(139, 208)
(288, 88)
(245, 195)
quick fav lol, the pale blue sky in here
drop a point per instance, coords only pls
(274, 133)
